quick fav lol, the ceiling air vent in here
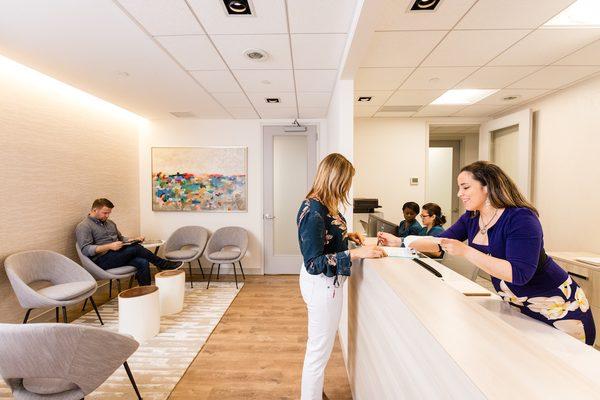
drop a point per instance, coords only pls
(424, 5)
(183, 114)
(399, 108)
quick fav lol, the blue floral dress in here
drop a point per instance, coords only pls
(540, 288)
(323, 240)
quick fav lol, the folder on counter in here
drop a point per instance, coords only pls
(402, 252)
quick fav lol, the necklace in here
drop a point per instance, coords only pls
(483, 229)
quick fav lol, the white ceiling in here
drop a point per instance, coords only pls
(154, 57)
(472, 44)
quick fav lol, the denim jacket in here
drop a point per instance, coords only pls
(323, 240)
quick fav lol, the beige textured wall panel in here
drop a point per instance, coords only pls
(59, 150)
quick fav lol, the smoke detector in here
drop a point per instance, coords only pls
(256, 54)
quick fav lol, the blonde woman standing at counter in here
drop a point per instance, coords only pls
(323, 242)
(505, 239)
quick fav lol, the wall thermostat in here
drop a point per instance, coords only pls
(414, 181)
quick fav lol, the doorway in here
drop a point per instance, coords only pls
(290, 160)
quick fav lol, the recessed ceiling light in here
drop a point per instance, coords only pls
(237, 7)
(123, 74)
(580, 13)
(434, 80)
(424, 5)
(364, 99)
(256, 54)
(464, 96)
(265, 82)
(272, 100)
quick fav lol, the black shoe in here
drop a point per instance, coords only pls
(172, 265)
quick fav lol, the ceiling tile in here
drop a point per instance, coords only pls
(163, 17)
(436, 77)
(365, 111)
(380, 78)
(313, 112)
(495, 77)
(278, 112)
(377, 97)
(413, 97)
(318, 51)
(313, 80)
(394, 114)
(318, 16)
(216, 81)
(242, 112)
(400, 49)
(286, 99)
(545, 46)
(522, 95)
(589, 55)
(193, 52)
(264, 80)
(553, 77)
(317, 99)
(232, 48)
(232, 99)
(268, 17)
(478, 110)
(438, 110)
(396, 16)
(511, 14)
(472, 48)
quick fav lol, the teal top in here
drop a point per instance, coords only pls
(413, 229)
(435, 231)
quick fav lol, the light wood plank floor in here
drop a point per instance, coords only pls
(257, 350)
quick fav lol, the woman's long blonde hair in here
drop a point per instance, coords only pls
(332, 183)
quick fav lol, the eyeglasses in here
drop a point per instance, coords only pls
(424, 216)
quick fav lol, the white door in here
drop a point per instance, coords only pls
(444, 164)
(507, 141)
(290, 160)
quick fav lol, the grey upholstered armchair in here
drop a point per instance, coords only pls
(60, 361)
(187, 244)
(227, 246)
(70, 284)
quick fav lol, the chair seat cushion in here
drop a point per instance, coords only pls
(48, 385)
(225, 255)
(122, 270)
(67, 291)
(183, 254)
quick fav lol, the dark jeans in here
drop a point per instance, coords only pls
(135, 255)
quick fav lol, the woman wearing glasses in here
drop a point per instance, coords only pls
(505, 239)
(433, 219)
(323, 242)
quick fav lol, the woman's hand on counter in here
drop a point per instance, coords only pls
(357, 238)
(454, 247)
(367, 252)
(387, 239)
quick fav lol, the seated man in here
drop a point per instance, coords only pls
(100, 240)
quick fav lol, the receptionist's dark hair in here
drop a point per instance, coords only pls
(412, 206)
(435, 211)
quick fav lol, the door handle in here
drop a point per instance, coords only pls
(268, 216)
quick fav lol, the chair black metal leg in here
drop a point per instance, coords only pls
(131, 282)
(110, 289)
(57, 314)
(82, 308)
(200, 266)
(119, 285)
(242, 269)
(96, 309)
(210, 274)
(65, 315)
(27, 315)
(191, 276)
(235, 275)
(218, 271)
(130, 375)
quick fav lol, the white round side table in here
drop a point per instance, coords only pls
(139, 312)
(171, 285)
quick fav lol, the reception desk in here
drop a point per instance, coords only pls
(407, 334)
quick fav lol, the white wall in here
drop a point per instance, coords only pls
(198, 132)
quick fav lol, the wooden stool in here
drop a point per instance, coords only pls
(171, 285)
(139, 312)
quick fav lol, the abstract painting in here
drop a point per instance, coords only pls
(205, 179)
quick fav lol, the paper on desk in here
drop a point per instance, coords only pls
(399, 252)
(469, 288)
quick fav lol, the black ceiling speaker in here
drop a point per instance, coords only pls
(425, 5)
(237, 7)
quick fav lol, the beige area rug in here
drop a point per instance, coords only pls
(159, 363)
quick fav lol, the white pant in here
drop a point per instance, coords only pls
(324, 303)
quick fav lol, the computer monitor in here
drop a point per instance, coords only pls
(377, 224)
